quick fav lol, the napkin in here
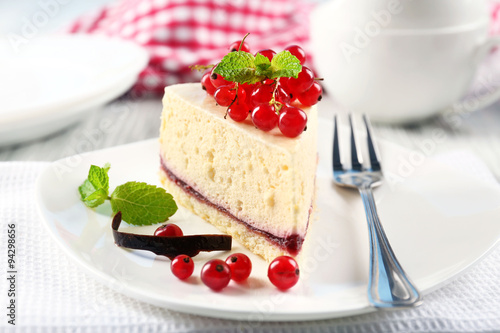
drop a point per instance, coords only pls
(179, 34)
(53, 294)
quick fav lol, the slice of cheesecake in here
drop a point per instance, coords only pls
(257, 186)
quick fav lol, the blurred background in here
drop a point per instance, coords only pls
(12, 13)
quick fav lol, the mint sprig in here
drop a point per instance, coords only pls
(94, 190)
(243, 67)
(139, 203)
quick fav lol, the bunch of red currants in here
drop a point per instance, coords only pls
(270, 102)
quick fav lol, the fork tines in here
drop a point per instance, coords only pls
(355, 158)
(356, 162)
(337, 163)
(372, 153)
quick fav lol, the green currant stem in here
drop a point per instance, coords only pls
(235, 98)
(242, 41)
(277, 105)
(200, 67)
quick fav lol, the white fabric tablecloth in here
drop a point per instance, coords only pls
(56, 296)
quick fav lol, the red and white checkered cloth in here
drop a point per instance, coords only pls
(495, 18)
(181, 33)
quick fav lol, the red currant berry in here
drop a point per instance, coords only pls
(236, 47)
(303, 82)
(264, 117)
(292, 121)
(269, 82)
(182, 266)
(216, 274)
(298, 52)
(282, 95)
(287, 84)
(218, 80)
(312, 95)
(238, 111)
(283, 272)
(268, 53)
(283, 82)
(283, 85)
(225, 95)
(207, 85)
(240, 266)
(169, 230)
(262, 94)
(249, 88)
(242, 94)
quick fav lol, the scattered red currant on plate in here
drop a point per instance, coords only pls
(240, 266)
(182, 266)
(169, 230)
(283, 272)
(216, 274)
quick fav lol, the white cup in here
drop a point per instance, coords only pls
(400, 61)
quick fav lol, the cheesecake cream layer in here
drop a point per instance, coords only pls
(264, 180)
(290, 244)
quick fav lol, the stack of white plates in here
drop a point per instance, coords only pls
(49, 83)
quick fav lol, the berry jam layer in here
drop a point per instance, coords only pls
(292, 244)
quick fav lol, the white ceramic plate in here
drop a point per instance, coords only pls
(51, 82)
(440, 221)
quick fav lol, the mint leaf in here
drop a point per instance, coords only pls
(95, 198)
(142, 204)
(94, 190)
(262, 65)
(243, 67)
(238, 66)
(284, 64)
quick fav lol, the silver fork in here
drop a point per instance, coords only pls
(388, 284)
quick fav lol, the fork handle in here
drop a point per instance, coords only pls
(388, 284)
